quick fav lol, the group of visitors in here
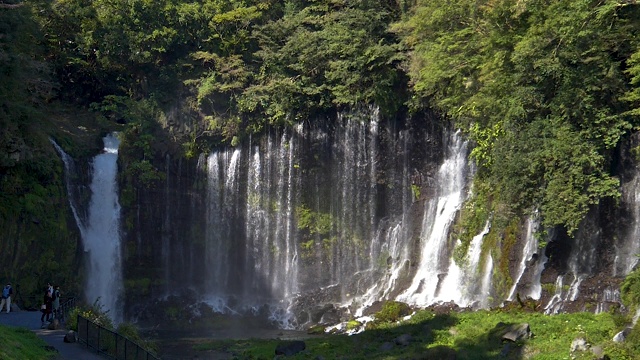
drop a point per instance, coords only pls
(7, 292)
(50, 304)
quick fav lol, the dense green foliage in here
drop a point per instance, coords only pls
(539, 86)
(630, 290)
(36, 244)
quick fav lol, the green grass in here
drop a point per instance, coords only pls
(22, 344)
(468, 335)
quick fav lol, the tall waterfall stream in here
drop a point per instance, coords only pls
(100, 230)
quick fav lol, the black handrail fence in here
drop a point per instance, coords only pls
(65, 308)
(110, 343)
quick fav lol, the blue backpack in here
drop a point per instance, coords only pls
(5, 292)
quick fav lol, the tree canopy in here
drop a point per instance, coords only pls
(545, 89)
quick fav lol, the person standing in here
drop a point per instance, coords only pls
(7, 291)
(47, 305)
(56, 302)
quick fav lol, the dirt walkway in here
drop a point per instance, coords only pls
(31, 321)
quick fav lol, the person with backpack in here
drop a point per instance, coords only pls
(7, 291)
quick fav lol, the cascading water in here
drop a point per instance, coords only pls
(459, 284)
(267, 242)
(528, 251)
(101, 230)
(439, 214)
(535, 289)
(628, 247)
(102, 233)
(581, 263)
(70, 171)
(331, 214)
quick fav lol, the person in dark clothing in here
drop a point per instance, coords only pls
(47, 305)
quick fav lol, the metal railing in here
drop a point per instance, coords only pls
(65, 308)
(110, 343)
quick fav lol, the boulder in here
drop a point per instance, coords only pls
(403, 340)
(506, 349)
(599, 354)
(622, 335)
(579, 344)
(289, 348)
(71, 337)
(516, 332)
(54, 325)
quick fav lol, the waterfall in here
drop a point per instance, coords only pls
(267, 242)
(101, 230)
(439, 214)
(535, 290)
(102, 233)
(345, 211)
(390, 252)
(460, 282)
(627, 248)
(609, 296)
(484, 295)
(563, 294)
(69, 172)
(530, 248)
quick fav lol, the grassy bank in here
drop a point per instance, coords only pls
(23, 344)
(467, 335)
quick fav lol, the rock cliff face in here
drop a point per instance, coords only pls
(333, 216)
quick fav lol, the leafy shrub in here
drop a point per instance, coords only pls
(353, 324)
(316, 330)
(630, 289)
(392, 311)
(633, 340)
(94, 313)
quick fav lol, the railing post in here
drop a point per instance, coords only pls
(86, 329)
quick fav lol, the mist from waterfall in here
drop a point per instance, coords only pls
(101, 236)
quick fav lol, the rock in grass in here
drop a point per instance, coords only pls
(288, 348)
(517, 332)
(403, 340)
(579, 344)
(387, 346)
